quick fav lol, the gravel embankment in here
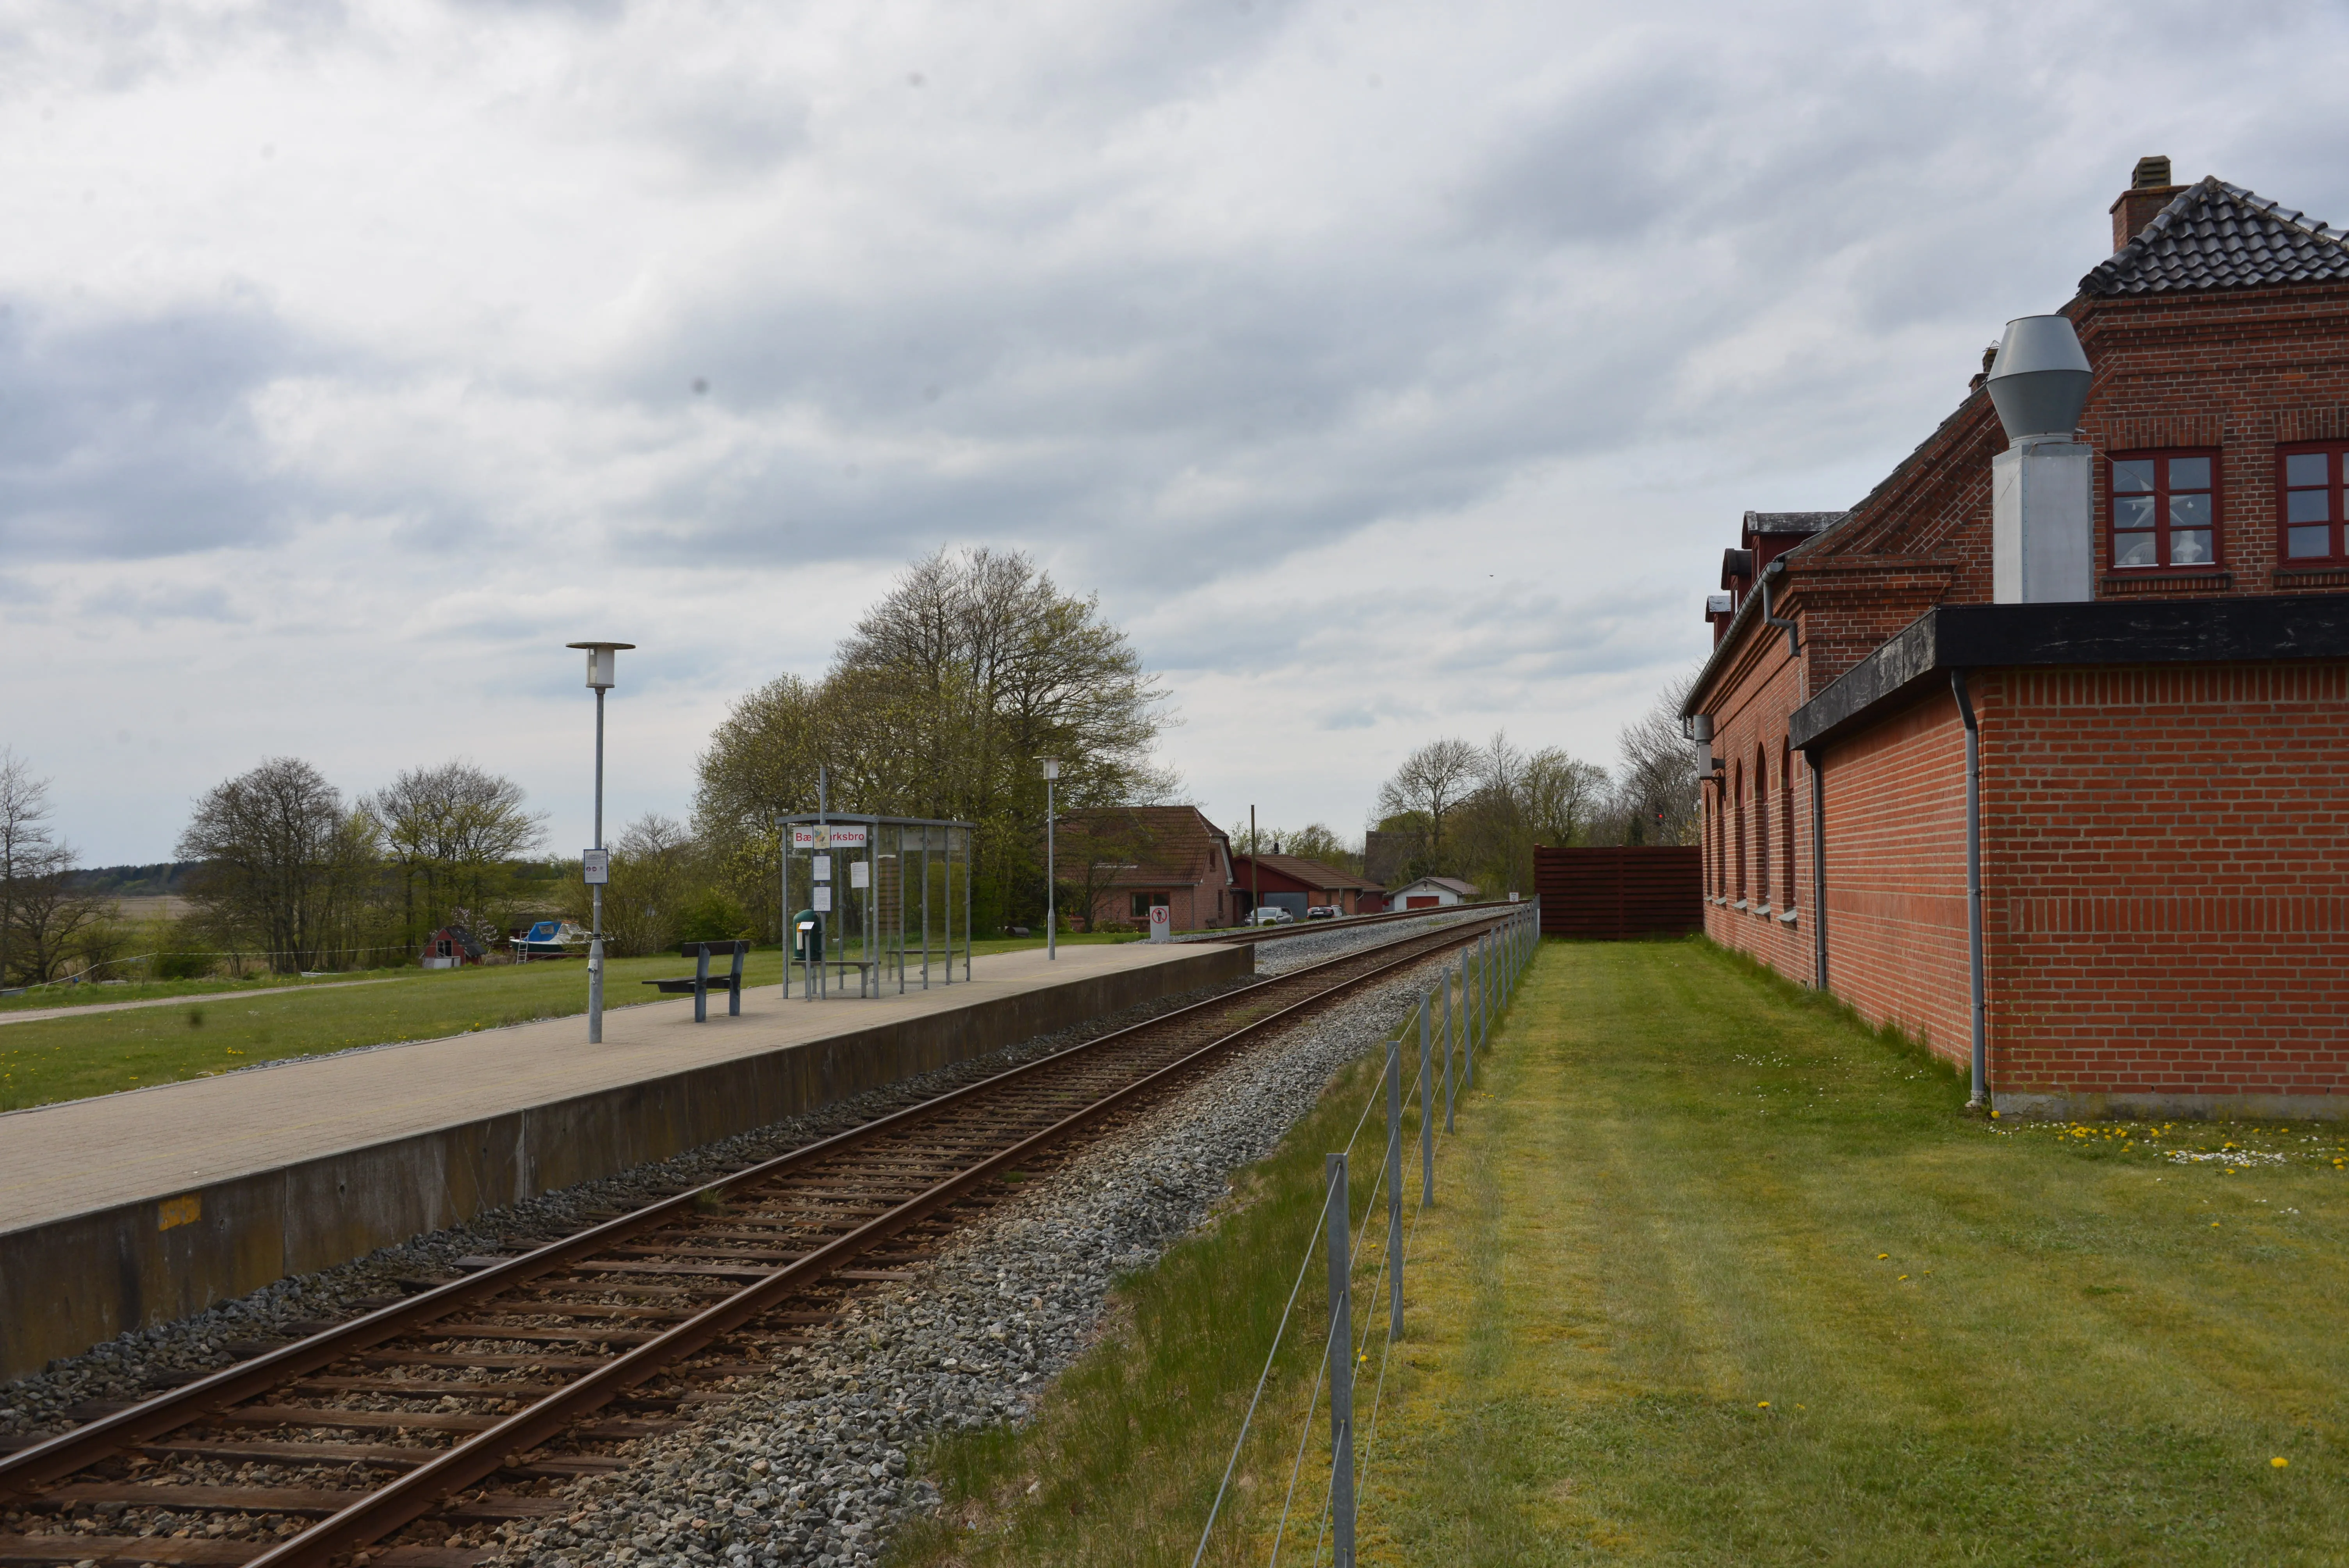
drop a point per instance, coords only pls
(813, 1466)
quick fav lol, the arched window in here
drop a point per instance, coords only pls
(1760, 827)
(1786, 822)
(1737, 876)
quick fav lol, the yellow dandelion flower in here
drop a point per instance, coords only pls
(2278, 1461)
(1881, 1256)
(1763, 1406)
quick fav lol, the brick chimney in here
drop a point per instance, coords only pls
(2150, 191)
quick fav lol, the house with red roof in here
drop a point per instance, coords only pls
(1116, 862)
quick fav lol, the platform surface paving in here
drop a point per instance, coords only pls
(58, 1160)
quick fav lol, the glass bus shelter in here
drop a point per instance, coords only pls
(889, 899)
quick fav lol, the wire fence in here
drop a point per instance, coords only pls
(1484, 980)
(82, 977)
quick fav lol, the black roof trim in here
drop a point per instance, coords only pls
(2143, 631)
(1788, 521)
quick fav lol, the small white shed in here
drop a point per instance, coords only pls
(1432, 892)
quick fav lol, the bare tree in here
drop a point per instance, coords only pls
(285, 863)
(56, 921)
(1562, 797)
(1656, 788)
(456, 829)
(1426, 792)
(46, 917)
(26, 843)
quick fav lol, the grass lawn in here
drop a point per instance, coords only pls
(217, 1029)
(1718, 1276)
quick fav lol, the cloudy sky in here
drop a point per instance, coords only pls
(1389, 370)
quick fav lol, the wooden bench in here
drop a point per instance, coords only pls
(700, 983)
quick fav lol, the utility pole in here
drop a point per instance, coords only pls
(1252, 876)
(1052, 870)
(602, 661)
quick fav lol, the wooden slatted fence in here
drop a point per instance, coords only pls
(1618, 893)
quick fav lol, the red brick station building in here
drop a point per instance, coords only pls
(2040, 752)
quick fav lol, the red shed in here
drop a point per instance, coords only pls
(1291, 876)
(451, 947)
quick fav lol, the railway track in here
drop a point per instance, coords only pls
(1247, 936)
(402, 1438)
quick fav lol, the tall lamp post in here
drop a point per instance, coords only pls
(603, 659)
(1051, 905)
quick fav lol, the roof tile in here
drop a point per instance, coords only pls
(2215, 235)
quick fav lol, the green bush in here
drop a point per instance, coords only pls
(713, 916)
(182, 966)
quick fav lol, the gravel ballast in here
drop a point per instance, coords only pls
(814, 1463)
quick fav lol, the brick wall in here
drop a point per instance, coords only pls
(1749, 734)
(1896, 811)
(2166, 879)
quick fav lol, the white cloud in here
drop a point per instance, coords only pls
(1388, 371)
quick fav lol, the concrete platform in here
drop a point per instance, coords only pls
(143, 1207)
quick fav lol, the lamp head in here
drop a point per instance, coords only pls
(603, 659)
(1051, 767)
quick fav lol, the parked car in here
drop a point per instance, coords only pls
(1272, 914)
(1322, 912)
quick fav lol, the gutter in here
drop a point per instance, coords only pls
(1814, 757)
(1745, 609)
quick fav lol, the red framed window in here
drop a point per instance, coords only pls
(2309, 483)
(2164, 510)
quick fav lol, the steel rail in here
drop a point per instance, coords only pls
(417, 1493)
(25, 1473)
(1245, 936)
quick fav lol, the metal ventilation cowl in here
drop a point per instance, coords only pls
(2039, 382)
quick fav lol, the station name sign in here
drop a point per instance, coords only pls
(829, 836)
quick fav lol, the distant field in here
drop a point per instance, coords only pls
(145, 907)
(222, 1027)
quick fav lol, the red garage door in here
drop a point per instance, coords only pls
(1421, 900)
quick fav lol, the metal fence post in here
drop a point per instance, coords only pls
(1341, 1371)
(1467, 1032)
(1446, 988)
(1426, 1109)
(1394, 1187)
(1489, 980)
